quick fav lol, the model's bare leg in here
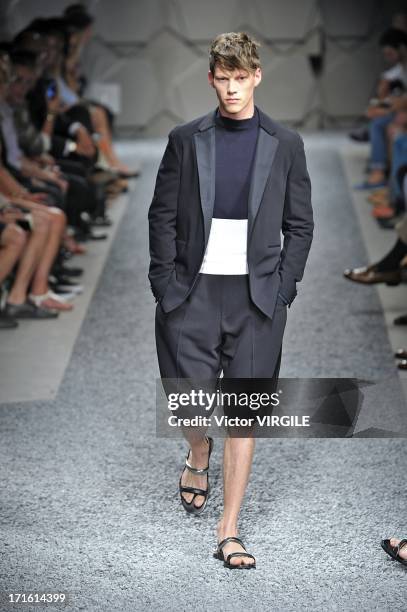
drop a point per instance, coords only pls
(237, 461)
(403, 552)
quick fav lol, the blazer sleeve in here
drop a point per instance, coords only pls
(297, 225)
(162, 216)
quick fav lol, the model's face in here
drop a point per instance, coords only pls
(235, 90)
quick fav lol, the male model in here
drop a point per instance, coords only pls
(228, 183)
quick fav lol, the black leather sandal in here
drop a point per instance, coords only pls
(190, 506)
(393, 551)
(218, 554)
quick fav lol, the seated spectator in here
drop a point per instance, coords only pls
(57, 166)
(390, 268)
(62, 137)
(22, 167)
(46, 219)
(74, 111)
(81, 195)
(383, 113)
(389, 202)
(69, 132)
(392, 43)
(12, 243)
(69, 192)
(26, 297)
(390, 81)
(79, 24)
(37, 119)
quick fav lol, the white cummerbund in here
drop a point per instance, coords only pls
(226, 249)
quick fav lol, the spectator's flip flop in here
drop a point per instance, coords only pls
(393, 551)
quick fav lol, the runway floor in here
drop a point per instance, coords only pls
(89, 499)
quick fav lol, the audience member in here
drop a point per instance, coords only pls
(58, 167)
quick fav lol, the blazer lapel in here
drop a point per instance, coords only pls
(205, 156)
(265, 151)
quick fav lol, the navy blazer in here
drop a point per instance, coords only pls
(180, 214)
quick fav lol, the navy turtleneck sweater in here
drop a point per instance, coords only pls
(235, 147)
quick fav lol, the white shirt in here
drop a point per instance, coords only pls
(226, 251)
(398, 71)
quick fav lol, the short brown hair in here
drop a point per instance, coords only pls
(233, 50)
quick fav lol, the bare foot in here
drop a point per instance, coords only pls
(200, 481)
(403, 551)
(232, 547)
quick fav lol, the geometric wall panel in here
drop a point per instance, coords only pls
(141, 96)
(121, 20)
(353, 72)
(349, 17)
(193, 96)
(200, 20)
(284, 87)
(193, 19)
(278, 19)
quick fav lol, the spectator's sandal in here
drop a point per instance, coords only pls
(190, 506)
(218, 554)
(393, 551)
